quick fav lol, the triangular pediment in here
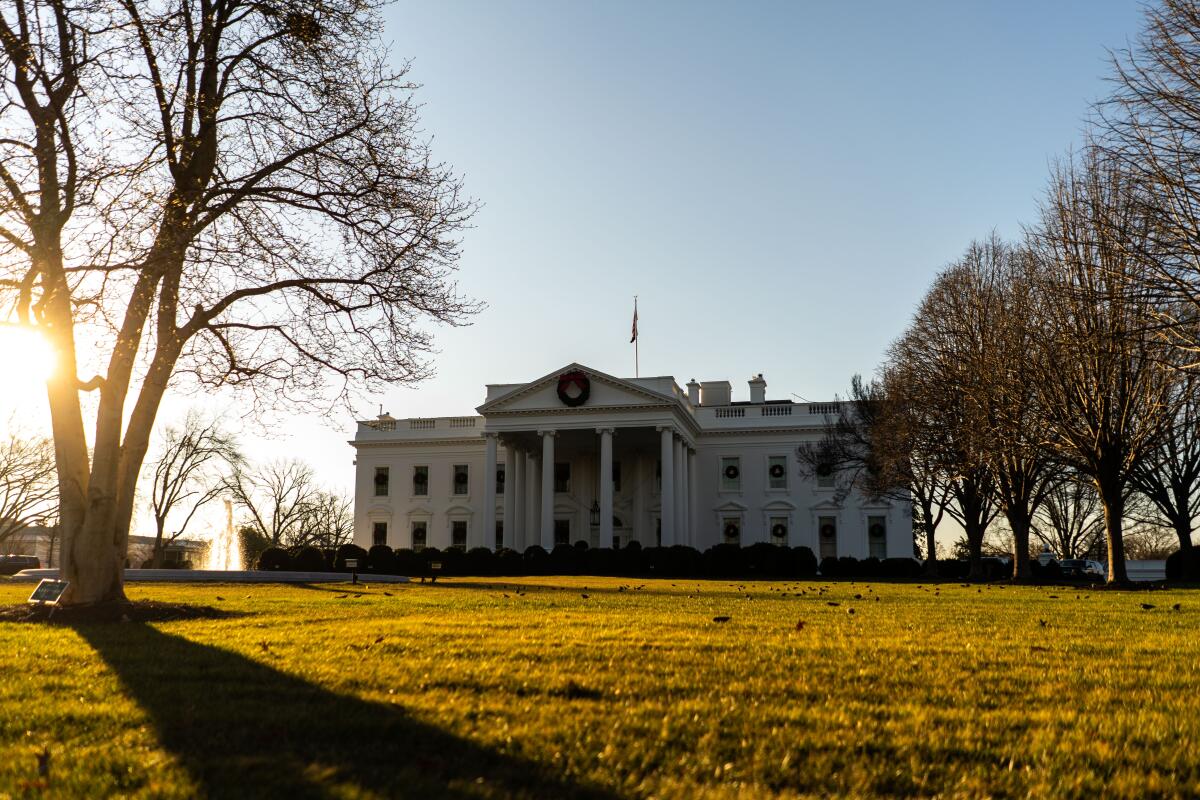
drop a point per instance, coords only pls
(604, 391)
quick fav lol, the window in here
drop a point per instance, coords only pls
(562, 477)
(827, 533)
(462, 479)
(825, 476)
(381, 481)
(458, 533)
(499, 534)
(500, 479)
(418, 536)
(616, 543)
(777, 472)
(562, 531)
(379, 533)
(616, 476)
(420, 480)
(877, 537)
(731, 474)
(779, 530)
(731, 530)
(658, 531)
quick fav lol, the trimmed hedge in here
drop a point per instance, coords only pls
(1184, 567)
(757, 561)
(309, 559)
(351, 551)
(274, 559)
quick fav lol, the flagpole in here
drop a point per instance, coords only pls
(637, 369)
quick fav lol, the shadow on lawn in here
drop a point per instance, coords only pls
(243, 729)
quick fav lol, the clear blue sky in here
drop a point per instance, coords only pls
(778, 182)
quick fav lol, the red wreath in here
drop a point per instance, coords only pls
(574, 388)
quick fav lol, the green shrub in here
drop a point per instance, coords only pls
(381, 560)
(804, 562)
(1184, 566)
(309, 559)
(350, 551)
(275, 558)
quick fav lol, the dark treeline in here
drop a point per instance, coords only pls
(1052, 377)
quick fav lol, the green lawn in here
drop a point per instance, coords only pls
(525, 688)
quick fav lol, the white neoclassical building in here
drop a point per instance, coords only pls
(684, 466)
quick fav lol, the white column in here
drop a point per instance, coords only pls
(680, 530)
(547, 489)
(666, 499)
(685, 532)
(489, 493)
(520, 512)
(606, 488)
(693, 526)
(510, 495)
(534, 504)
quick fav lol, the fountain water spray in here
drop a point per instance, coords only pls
(225, 552)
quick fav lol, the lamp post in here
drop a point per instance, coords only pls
(595, 514)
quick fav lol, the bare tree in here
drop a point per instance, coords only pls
(1150, 125)
(221, 192)
(327, 522)
(1170, 477)
(188, 475)
(944, 358)
(1104, 387)
(1070, 518)
(28, 489)
(1147, 541)
(875, 446)
(277, 498)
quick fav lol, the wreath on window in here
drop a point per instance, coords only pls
(777, 471)
(731, 472)
(731, 530)
(877, 531)
(460, 477)
(574, 388)
(499, 476)
(828, 532)
(420, 478)
(381, 479)
(779, 530)
(824, 469)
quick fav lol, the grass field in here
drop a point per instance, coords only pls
(529, 688)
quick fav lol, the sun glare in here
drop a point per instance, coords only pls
(26, 361)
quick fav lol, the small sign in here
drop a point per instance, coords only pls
(436, 565)
(351, 563)
(48, 592)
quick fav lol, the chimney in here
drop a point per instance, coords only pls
(693, 392)
(758, 389)
(715, 393)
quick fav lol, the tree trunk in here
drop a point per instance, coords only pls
(1020, 523)
(975, 533)
(1183, 529)
(1112, 498)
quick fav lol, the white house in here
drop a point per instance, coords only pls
(690, 467)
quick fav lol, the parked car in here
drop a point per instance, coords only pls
(11, 564)
(1082, 568)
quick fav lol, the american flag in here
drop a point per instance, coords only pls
(634, 337)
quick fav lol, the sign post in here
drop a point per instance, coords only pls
(48, 592)
(352, 563)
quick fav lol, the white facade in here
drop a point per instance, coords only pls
(689, 467)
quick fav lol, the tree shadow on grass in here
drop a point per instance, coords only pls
(243, 729)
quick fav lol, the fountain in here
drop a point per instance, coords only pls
(225, 552)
